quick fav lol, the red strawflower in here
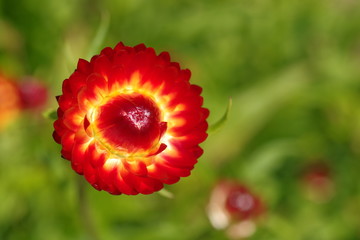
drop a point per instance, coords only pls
(318, 183)
(130, 121)
(234, 208)
(33, 93)
(10, 103)
(230, 202)
(241, 203)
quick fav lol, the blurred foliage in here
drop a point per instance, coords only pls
(291, 68)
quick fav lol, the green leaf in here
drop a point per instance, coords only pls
(50, 114)
(100, 35)
(220, 123)
(165, 193)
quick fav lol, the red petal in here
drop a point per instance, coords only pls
(182, 158)
(80, 148)
(84, 103)
(95, 155)
(136, 167)
(119, 46)
(73, 118)
(165, 56)
(161, 174)
(56, 137)
(188, 120)
(84, 66)
(59, 127)
(96, 84)
(90, 175)
(108, 174)
(143, 185)
(102, 66)
(173, 171)
(109, 52)
(123, 186)
(67, 141)
(140, 47)
(117, 79)
(60, 112)
(77, 80)
(194, 137)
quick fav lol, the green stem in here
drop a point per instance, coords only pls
(85, 215)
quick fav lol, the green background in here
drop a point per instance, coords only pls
(291, 67)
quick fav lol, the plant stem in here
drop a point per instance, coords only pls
(85, 215)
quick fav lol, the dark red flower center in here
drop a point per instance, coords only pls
(242, 203)
(130, 123)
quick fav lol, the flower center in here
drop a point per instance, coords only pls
(130, 123)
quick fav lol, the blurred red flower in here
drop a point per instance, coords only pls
(241, 203)
(33, 93)
(318, 183)
(10, 102)
(232, 206)
(130, 121)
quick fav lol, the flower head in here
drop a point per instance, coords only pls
(33, 93)
(317, 182)
(10, 102)
(130, 121)
(234, 208)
